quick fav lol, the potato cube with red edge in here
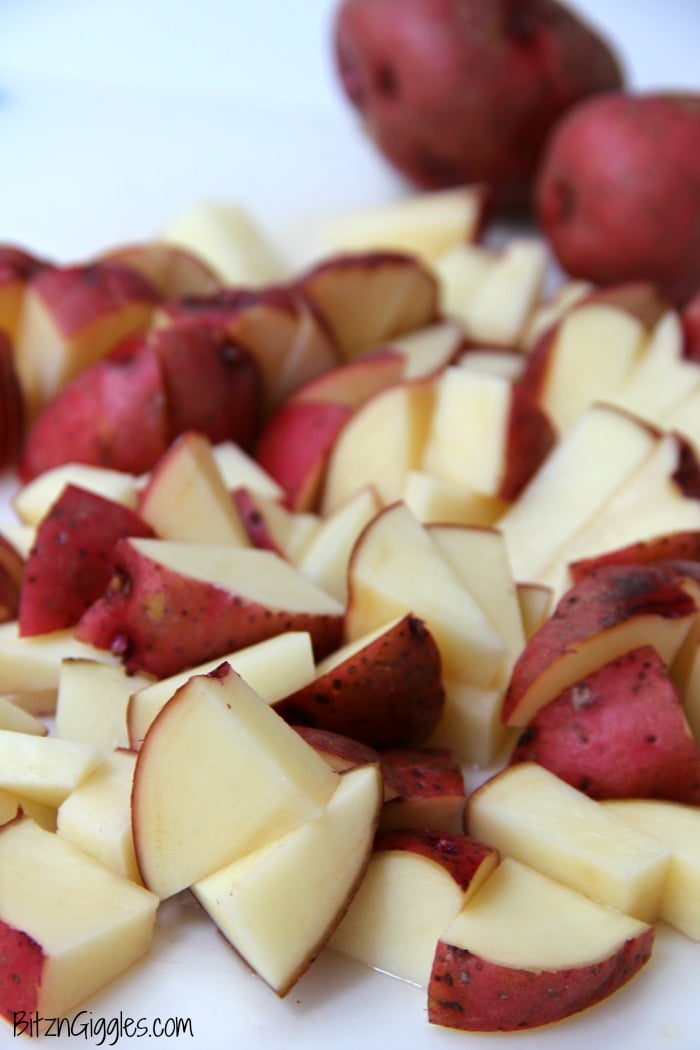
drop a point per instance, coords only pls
(218, 776)
(527, 951)
(174, 604)
(618, 733)
(417, 881)
(68, 925)
(172, 269)
(185, 496)
(270, 667)
(471, 403)
(294, 446)
(384, 689)
(390, 565)
(17, 267)
(70, 563)
(606, 614)
(398, 294)
(113, 414)
(671, 546)
(73, 316)
(284, 332)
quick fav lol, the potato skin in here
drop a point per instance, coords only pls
(619, 733)
(618, 191)
(459, 91)
(388, 695)
(476, 995)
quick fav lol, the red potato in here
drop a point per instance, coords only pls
(70, 563)
(257, 527)
(9, 596)
(171, 606)
(354, 382)
(399, 294)
(423, 786)
(124, 411)
(618, 191)
(114, 414)
(386, 694)
(11, 572)
(504, 999)
(619, 733)
(429, 789)
(416, 882)
(530, 437)
(526, 950)
(461, 855)
(691, 327)
(675, 546)
(17, 267)
(467, 92)
(340, 752)
(295, 445)
(279, 325)
(174, 271)
(212, 383)
(609, 612)
(11, 405)
(73, 316)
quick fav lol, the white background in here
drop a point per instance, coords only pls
(113, 117)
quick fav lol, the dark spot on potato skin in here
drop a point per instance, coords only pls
(386, 81)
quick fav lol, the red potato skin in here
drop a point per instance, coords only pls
(253, 519)
(531, 437)
(113, 414)
(12, 408)
(456, 92)
(475, 995)
(173, 271)
(618, 191)
(354, 382)
(294, 447)
(387, 695)
(21, 967)
(9, 596)
(257, 318)
(70, 563)
(341, 751)
(333, 285)
(620, 733)
(641, 299)
(596, 603)
(212, 384)
(426, 772)
(673, 546)
(429, 790)
(81, 294)
(17, 268)
(690, 319)
(460, 855)
(162, 622)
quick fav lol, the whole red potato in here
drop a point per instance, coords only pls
(618, 193)
(460, 91)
